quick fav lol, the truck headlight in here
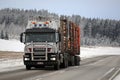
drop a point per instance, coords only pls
(53, 59)
(26, 59)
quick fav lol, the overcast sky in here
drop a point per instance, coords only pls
(88, 8)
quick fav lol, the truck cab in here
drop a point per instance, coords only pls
(42, 44)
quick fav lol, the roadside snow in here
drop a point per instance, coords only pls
(10, 64)
(11, 45)
(87, 52)
(117, 77)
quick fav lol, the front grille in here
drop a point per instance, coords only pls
(39, 54)
(39, 49)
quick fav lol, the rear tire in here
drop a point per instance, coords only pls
(77, 60)
(65, 63)
(72, 61)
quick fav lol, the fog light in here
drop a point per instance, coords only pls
(26, 59)
(53, 58)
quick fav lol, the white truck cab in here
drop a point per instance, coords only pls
(42, 43)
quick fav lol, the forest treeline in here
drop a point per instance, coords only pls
(94, 31)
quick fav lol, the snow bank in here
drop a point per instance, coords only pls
(87, 52)
(11, 45)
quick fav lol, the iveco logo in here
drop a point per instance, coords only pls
(39, 48)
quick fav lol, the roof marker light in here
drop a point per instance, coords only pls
(33, 22)
(46, 23)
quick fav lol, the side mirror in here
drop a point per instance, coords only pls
(22, 37)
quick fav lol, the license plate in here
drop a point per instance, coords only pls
(39, 62)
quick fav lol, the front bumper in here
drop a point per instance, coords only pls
(52, 60)
(37, 63)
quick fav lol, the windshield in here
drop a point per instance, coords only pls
(40, 37)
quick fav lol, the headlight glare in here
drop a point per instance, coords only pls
(26, 59)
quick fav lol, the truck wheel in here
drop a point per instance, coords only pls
(64, 64)
(77, 61)
(56, 67)
(72, 61)
(28, 67)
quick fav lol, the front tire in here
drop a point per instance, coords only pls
(65, 63)
(28, 67)
(56, 66)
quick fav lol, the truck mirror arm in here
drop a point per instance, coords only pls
(21, 37)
